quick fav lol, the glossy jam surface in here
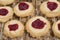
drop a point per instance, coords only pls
(23, 6)
(38, 24)
(13, 27)
(52, 5)
(59, 26)
(3, 12)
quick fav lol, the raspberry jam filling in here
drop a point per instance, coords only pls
(13, 27)
(23, 6)
(59, 26)
(38, 24)
(3, 12)
(52, 5)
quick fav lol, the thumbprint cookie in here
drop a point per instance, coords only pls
(38, 26)
(6, 13)
(23, 9)
(50, 8)
(13, 28)
(56, 28)
(6, 2)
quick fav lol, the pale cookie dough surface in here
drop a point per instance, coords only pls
(6, 2)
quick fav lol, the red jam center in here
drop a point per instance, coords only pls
(59, 26)
(13, 27)
(38, 24)
(52, 5)
(3, 12)
(23, 6)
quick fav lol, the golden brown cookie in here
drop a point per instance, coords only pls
(23, 9)
(6, 2)
(13, 28)
(38, 26)
(56, 28)
(50, 8)
(6, 13)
